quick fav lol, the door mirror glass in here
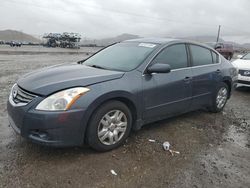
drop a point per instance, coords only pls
(159, 68)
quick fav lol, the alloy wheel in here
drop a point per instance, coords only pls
(112, 127)
(221, 98)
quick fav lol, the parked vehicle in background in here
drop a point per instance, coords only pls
(15, 44)
(64, 40)
(243, 66)
(99, 100)
(224, 49)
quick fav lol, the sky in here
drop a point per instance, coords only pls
(95, 19)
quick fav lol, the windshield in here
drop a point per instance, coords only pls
(124, 56)
(246, 57)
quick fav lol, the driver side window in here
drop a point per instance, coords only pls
(175, 56)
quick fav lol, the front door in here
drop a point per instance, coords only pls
(166, 94)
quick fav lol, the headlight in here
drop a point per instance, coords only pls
(62, 100)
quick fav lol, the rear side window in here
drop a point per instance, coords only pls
(200, 55)
(215, 57)
(175, 56)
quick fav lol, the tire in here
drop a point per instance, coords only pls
(219, 102)
(107, 125)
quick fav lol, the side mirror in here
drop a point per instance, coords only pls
(239, 56)
(159, 68)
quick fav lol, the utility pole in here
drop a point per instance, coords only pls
(218, 35)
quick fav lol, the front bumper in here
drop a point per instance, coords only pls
(243, 81)
(57, 129)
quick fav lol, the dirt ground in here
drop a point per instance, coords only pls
(214, 148)
(26, 49)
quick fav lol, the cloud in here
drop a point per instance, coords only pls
(98, 18)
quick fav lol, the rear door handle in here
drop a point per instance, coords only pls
(187, 79)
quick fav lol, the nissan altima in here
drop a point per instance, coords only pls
(100, 100)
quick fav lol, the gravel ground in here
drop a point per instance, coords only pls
(214, 148)
(6, 49)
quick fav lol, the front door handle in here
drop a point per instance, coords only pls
(218, 71)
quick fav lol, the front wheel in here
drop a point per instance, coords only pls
(109, 126)
(219, 100)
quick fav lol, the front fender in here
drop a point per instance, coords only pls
(125, 90)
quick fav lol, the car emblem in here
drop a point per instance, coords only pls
(14, 92)
(247, 73)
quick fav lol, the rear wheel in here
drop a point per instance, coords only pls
(109, 126)
(229, 57)
(220, 98)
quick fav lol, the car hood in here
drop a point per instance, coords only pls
(48, 80)
(242, 64)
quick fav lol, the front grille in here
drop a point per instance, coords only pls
(244, 72)
(243, 82)
(19, 96)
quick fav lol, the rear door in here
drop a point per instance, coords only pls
(206, 74)
(166, 94)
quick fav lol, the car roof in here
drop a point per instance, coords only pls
(163, 41)
(153, 40)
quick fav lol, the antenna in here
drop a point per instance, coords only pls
(218, 35)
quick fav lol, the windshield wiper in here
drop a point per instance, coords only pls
(81, 62)
(97, 66)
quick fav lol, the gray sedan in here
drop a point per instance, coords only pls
(124, 86)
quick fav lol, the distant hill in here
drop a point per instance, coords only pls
(236, 45)
(246, 45)
(12, 35)
(204, 38)
(108, 41)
